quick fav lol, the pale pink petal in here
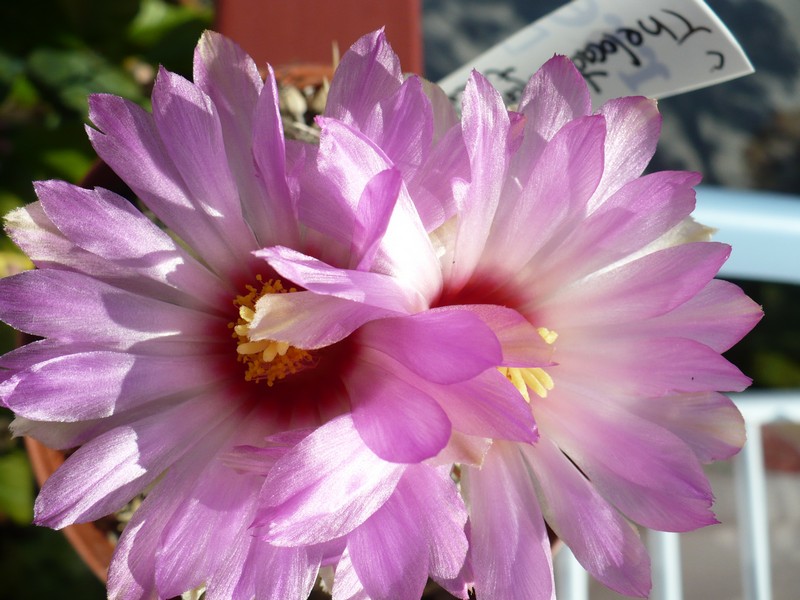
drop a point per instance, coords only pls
(230, 78)
(644, 470)
(309, 320)
(554, 96)
(485, 126)
(718, 316)
(373, 289)
(368, 72)
(347, 585)
(708, 422)
(647, 287)
(548, 207)
(633, 129)
(640, 212)
(215, 510)
(325, 487)
(373, 212)
(276, 215)
(187, 118)
(509, 547)
(600, 537)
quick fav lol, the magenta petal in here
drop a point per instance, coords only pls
(600, 537)
(521, 343)
(283, 572)
(488, 406)
(91, 385)
(325, 487)
(388, 552)
(509, 548)
(443, 345)
(397, 420)
(372, 216)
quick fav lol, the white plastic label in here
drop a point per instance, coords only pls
(653, 48)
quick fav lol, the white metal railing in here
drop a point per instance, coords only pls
(764, 230)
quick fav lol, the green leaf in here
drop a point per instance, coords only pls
(16, 487)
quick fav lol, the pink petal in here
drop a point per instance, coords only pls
(347, 585)
(398, 421)
(325, 487)
(216, 509)
(718, 316)
(231, 80)
(554, 96)
(373, 212)
(643, 288)
(488, 406)
(509, 548)
(640, 212)
(603, 541)
(277, 213)
(187, 118)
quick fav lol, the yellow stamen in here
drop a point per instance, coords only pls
(265, 360)
(535, 379)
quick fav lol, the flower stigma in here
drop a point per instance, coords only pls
(532, 378)
(265, 360)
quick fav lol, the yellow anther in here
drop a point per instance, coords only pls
(534, 379)
(265, 360)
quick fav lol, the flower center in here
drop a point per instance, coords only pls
(532, 378)
(265, 360)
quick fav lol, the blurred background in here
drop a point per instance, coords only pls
(53, 53)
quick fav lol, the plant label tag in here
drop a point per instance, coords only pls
(621, 47)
